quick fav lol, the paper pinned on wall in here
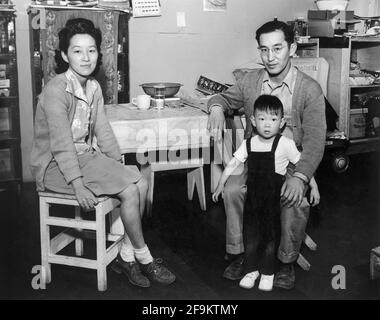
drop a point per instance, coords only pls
(214, 5)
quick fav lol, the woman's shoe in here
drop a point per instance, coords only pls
(157, 272)
(266, 282)
(131, 270)
(248, 282)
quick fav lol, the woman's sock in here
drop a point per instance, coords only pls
(126, 251)
(143, 255)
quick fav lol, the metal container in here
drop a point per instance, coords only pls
(170, 88)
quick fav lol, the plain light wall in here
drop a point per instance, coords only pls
(212, 44)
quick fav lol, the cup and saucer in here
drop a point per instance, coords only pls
(141, 102)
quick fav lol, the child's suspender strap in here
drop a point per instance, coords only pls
(275, 142)
(248, 143)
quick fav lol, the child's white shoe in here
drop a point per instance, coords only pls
(266, 282)
(249, 279)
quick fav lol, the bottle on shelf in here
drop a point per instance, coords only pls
(3, 36)
(11, 39)
(3, 43)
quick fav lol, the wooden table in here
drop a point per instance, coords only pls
(173, 129)
(138, 131)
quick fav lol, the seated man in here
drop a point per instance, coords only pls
(304, 110)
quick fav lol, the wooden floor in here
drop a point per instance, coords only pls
(191, 242)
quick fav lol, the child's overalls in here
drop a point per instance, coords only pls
(262, 227)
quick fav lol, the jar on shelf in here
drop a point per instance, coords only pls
(3, 43)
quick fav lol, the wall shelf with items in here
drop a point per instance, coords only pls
(114, 71)
(10, 152)
(354, 89)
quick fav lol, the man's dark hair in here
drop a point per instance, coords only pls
(274, 25)
(73, 27)
(270, 104)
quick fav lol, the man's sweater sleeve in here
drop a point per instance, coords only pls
(314, 131)
(230, 100)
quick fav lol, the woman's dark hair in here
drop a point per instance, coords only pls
(270, 104)
(274, 25)
(73, 27)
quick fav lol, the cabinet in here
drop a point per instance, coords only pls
(10, 153)
(350, 87)
(113, 76)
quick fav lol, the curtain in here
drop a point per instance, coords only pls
(107, 22)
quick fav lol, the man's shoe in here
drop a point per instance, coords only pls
(286, 277)
(235, 271)
(156, 272)
(132, 271)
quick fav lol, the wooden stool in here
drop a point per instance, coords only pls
(374, 263)
(50, 247)
(194, 178)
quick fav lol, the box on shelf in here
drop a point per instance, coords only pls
(330, 14)
(358, 122)
(5, 83)
(327, 23)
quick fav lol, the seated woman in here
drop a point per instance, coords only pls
(64, 159)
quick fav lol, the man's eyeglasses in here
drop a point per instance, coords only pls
(276, 50)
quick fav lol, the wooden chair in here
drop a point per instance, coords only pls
(195, 178)
(51, 247)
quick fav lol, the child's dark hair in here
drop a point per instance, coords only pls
(73, 27)
(270, 104)
(274, 25)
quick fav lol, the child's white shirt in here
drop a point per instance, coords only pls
(286, 152)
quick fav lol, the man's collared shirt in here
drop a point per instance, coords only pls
(284, 92)
(81, 122)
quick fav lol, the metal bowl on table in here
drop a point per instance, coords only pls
(170, 88)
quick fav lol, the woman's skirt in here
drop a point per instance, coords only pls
(101, 174)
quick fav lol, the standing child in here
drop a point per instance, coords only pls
(268, 155)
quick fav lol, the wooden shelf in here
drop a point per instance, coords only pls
(82, 8)
(7, 56)
(339, 53)
(10, 142)
(8, 137)
(365, 39)
(361, 140)
(362, 145)
(10, 98)
(306, 44)
(365, 86)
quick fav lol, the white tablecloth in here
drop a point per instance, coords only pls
(146, 130)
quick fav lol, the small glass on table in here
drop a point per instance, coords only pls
(159, 96)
